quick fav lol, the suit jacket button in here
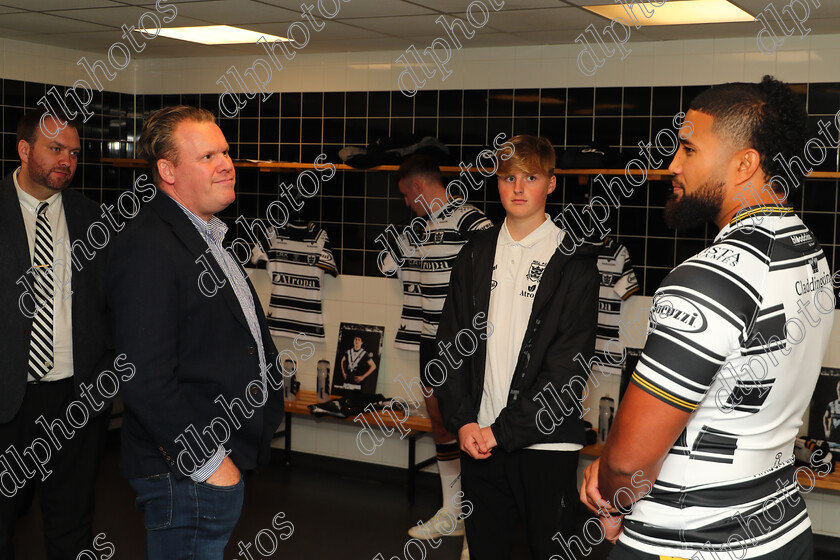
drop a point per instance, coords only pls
(251, 349)
(27, 332)
(254, 390)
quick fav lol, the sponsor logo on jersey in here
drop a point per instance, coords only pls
(812, 284)
(529, 293)
(723, 255)
(436, 265)
(678, 313)
(296, 281)
(802, 238)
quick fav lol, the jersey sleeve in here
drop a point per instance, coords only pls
(258, 255)
(473, 219)
(627, 284)
(698, 318)
(326, 260)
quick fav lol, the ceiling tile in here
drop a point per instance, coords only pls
(379, 8)
(225, 12)
(40, 23)
(543, 19)
(401, 25)
(461, 5)
(43, 5)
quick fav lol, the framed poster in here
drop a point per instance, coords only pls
(824, 416)
(357, 359)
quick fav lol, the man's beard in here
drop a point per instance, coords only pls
(695, 209)
(42, 176)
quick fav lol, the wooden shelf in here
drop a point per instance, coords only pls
(281, 166)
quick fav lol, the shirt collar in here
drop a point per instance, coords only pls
(30, 202)
(544, 230)
(762, 210)
(445, 207)
(215, 229)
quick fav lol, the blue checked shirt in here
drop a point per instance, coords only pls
(213, 233)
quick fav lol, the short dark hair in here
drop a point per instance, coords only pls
(420, 165)
(30, 123)
(157, 137)
(766, 116)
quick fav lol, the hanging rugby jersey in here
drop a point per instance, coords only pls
(297, 258)
(738, 335)
(618, 282)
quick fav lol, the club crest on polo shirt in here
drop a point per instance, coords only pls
(535, 271)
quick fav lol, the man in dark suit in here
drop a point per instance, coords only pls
(55, 341)
(206, 397)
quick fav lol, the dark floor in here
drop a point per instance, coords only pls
(340, 510)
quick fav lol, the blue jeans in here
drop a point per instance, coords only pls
(187, 520)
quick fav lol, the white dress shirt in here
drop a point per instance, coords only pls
(62, 272)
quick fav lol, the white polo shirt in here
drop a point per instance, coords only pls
(517, 271)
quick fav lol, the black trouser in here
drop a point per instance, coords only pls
(66, 494)
(800, 548)
(539, 486)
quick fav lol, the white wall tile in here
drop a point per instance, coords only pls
(728, 67)
(758, 64)
(792, 66)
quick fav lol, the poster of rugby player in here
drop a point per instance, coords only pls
(824, 416)
(357, 359)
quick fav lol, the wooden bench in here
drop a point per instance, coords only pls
(827, 482)
(417, 426)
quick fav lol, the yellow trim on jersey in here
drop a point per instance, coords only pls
(630, 293)
(664, 394)
(672, 558)
(764, 211)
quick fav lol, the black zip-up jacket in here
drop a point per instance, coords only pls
(562, 324)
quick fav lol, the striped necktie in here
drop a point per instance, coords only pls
(41, 345)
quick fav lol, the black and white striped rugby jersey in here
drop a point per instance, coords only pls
(618, 282)
(411, 319)
(429, 268)
(738, 334)
(297, 258)
(448, 229)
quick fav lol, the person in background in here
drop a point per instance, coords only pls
(55, 336)
(449, 221)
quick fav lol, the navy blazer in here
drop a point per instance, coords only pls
(193, 354)
(92, 342)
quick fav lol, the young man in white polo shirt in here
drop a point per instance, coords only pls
(532, 309)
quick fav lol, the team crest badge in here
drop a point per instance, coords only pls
(438, 237)
(536, 270)
(311, 259)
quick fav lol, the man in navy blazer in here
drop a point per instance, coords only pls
(53, 413)
(206, 397)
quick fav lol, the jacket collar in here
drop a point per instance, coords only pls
(171, 213)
